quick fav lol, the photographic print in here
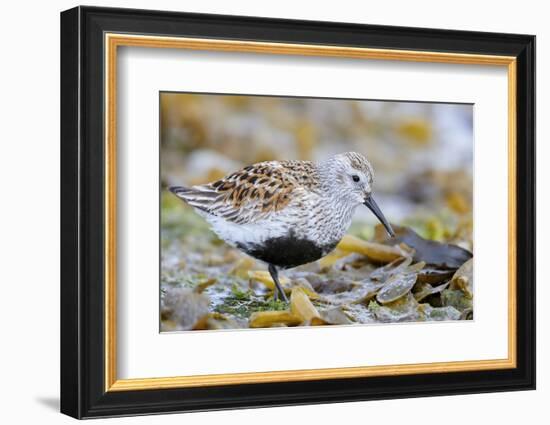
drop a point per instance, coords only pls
(287, 211)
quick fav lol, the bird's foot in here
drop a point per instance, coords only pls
(278, 287)
(283, 296)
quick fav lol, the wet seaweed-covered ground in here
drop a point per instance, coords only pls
(206, 284)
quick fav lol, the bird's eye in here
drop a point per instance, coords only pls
(355, 178)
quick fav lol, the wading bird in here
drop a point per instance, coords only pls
(286, 213)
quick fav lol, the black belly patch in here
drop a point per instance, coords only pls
(288, 251)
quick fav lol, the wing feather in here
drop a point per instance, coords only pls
(252, 193)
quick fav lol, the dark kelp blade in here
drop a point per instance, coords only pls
(433, 253)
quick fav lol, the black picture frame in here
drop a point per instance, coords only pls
(83, 392)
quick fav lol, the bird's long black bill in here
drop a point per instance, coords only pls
(373, 206)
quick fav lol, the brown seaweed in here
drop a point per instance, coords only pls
(433, 253)
(399, 284)
(268, 319)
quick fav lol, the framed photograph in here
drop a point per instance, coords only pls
(261, 212)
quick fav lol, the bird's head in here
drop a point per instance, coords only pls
(352, 178)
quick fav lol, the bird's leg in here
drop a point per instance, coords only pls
(275, 276)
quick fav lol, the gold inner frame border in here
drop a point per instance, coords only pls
(113, 40)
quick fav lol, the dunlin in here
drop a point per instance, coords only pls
(286, 213)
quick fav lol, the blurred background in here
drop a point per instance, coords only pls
(422, 153)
